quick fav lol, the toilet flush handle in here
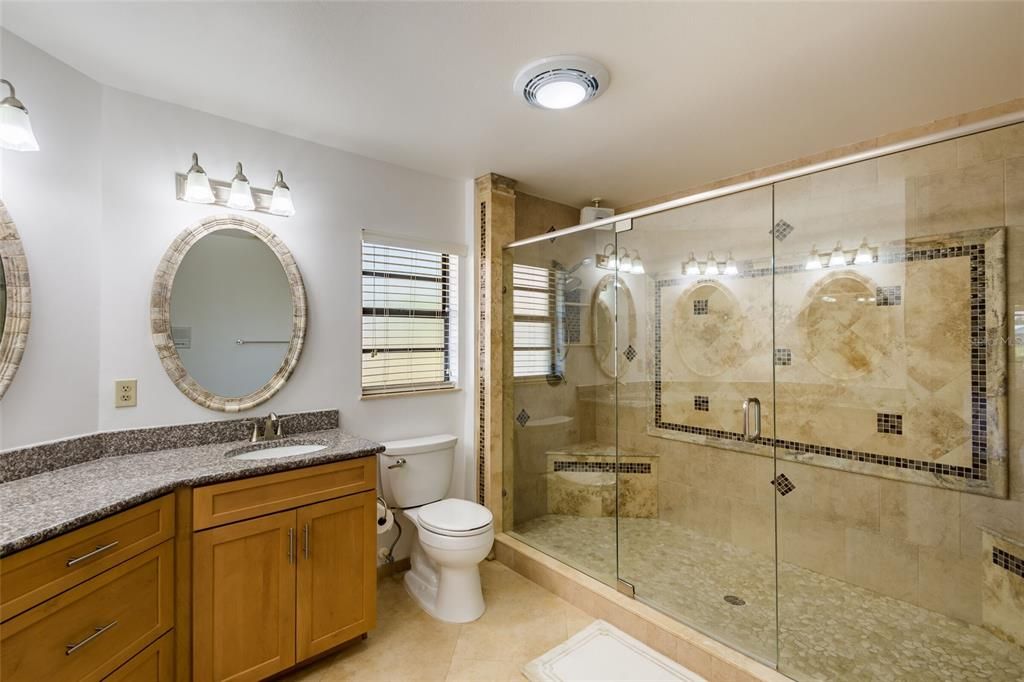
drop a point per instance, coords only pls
(400, 462)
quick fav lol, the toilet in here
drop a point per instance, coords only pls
(452, 536)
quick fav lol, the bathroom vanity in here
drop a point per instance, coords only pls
(188, 563)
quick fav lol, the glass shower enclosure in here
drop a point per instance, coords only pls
(790, 417)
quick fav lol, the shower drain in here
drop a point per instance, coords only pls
(734, 600)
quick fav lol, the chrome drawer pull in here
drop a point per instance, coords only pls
(72, 648)
(99, 550)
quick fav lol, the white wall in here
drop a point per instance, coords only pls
(102, 269)
(53, 196)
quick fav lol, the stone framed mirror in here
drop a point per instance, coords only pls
(15, 299)
(610, 361)
(228, 313)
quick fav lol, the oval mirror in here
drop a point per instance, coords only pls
(602, 314)
(228, 313)
(15, 301)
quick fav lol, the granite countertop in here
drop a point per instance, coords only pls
(41, 507)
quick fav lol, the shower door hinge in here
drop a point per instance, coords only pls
(626, 588)
(624, 225)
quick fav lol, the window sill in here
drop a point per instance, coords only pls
(406, 394)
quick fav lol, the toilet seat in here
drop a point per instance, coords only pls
(455, 518)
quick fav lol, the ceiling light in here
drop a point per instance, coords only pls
(712, 266)
(730, 266)
(838, 258)
(692, 267)
(197, 185)
(863, 256)
(281, 202)
(814, 260)
(241, 193)
(15, 128)
(561, 82)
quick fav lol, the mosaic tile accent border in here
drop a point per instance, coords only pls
(978, 471)
(481, 451)
(603, 467)
(1003, 559)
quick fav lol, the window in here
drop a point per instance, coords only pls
(536, 328)
(410, 319)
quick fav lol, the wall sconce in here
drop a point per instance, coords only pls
(15, 128)
(624, 260)
(711, 266)
(195, 186)
(864, 255)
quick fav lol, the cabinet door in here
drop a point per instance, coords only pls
(244, 599)
(337, 572)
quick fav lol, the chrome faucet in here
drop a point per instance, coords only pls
(267, 428)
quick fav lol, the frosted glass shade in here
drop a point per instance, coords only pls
(281, 202)
(16, 130)
(197, 188)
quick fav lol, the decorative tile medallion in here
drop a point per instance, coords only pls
(700, 306)
(885, 296)
(783, 484)
(630, 353)
(889, 423)
(1003, 559)
(701, 403)
(523, 417)
(783, 357)
(782, 229)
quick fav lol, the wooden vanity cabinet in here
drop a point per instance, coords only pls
(271, 591)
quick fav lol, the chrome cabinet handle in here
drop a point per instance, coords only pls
(747, 404)
(99, 550)
(305, 540)
(291, 545)
(72, 648)
(400, 462)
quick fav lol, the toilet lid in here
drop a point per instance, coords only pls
(455, 517)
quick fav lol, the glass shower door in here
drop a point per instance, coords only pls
(695, 410)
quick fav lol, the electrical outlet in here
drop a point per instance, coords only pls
(125, 393)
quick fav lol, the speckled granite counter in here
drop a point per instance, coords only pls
(43, 506)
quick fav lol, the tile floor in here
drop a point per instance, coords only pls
(523, 620)
(829, 629)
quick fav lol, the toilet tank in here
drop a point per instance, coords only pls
(425, 474)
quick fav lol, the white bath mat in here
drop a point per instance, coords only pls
(602, 652)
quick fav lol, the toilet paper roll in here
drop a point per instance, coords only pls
(385, 519)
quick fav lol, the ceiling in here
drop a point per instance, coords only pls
(698, 91)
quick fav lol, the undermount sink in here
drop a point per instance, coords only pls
(276, 451)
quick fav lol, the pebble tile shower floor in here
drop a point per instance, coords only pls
(830, 629)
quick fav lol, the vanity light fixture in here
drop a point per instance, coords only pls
(711, 268)
(730, 266)
(838, 258)
(197, 184)
(15, 128)
(813, 260)
(864, 255)
(281, 202)
(638, 264)
(560, 82)
(623, 260)
(692, 267)
(241, 192)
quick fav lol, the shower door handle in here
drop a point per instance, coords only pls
(747, 404)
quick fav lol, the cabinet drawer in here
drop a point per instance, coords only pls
(155, 663)
(34, 575)
(88, 631)
(221, 503)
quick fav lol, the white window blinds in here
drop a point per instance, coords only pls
(535, 324)
(410, 319)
